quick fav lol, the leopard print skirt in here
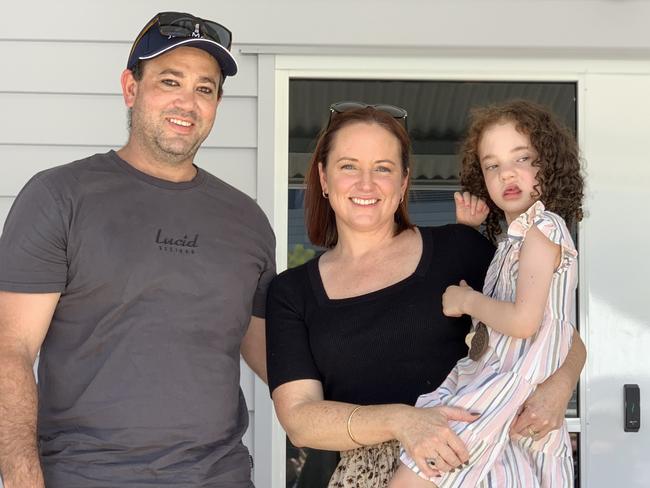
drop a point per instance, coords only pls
(367, 467)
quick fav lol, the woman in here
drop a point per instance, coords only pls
(355, 336)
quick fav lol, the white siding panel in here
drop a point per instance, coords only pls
(237, 167)
(18, 164)
(99, 120)
(248, 438)
(462, 23)
(62, 67)
(5, 205)
(247, 383)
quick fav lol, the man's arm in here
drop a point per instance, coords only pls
(24, 321)
(253, 347)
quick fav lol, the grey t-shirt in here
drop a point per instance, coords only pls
(139, 371)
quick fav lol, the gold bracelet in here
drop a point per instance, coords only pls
(350, 422)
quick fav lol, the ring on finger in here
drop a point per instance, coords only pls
(531, 432)
(431, 462)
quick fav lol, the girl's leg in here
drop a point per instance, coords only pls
(405, 478)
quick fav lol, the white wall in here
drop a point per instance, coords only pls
(615, 261)
(413, 23)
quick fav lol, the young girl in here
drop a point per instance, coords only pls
(525, 165)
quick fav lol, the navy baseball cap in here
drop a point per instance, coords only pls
(169, 30)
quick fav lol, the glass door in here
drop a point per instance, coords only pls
(437, 119)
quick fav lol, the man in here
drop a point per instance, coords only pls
(136, 274)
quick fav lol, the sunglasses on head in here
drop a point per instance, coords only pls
(176, 24)
(341, 107)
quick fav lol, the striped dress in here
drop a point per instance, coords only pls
(503, 378)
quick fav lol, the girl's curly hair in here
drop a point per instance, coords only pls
(560, 181)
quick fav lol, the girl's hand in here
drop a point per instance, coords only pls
(453, 299)
(470, 209)
(425, 435)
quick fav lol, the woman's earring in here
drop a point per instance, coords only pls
(325, 195)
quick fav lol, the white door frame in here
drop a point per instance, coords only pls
(275, 72)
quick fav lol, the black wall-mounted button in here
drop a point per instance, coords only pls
(632, 402)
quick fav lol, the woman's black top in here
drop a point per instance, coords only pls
(388, 346)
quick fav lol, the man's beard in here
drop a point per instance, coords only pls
(169, 149)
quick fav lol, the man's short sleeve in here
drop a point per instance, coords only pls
(33, 255)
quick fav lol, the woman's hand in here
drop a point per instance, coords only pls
(425, 435)
(453, 299)
(470, 209)
(543, 411)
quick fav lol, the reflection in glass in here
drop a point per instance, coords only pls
(575, 444)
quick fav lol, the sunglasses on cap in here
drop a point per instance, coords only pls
(174, 24)
(341, 107)
(176, 27)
